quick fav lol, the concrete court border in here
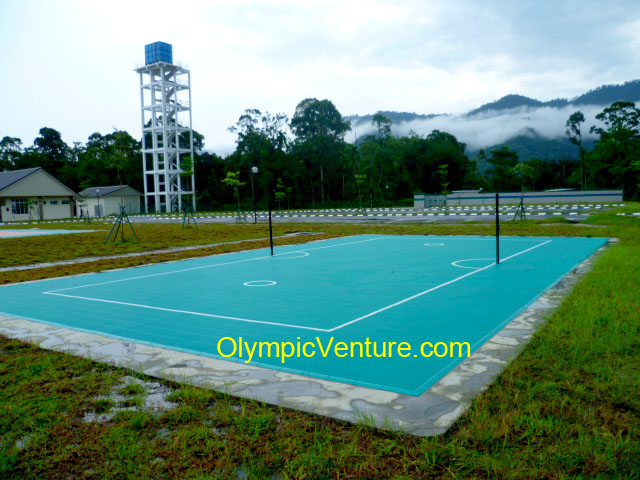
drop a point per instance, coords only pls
(431, 413)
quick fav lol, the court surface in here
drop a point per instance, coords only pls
(36, 232)
(382, 288)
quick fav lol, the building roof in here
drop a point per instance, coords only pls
(12, 176)
(104, 191)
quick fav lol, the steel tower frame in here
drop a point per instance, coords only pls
(167, 136)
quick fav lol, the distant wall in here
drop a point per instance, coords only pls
(109, 205)
(425, 200)
(57, 208)
(40, 208)
(421, 201)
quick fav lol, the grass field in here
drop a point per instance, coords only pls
(567, 407)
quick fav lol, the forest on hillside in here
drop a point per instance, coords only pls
(602, 95)
(304, 161)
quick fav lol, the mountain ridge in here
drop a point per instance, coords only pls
(527, 142)
(602, 95)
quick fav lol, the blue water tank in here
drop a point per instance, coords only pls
(158, 52)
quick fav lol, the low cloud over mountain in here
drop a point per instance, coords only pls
(511, 117)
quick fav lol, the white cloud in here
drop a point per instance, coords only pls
(494, 127)
(69, 64)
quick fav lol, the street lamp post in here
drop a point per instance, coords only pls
(98, 194)
(254, 170)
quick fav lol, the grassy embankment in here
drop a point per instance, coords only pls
(567, 407)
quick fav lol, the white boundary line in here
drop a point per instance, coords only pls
(52, 292)
(371, 314)
(189, 312)
(405, 300)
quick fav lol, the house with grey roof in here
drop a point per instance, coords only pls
(101, 201)
(34, 194)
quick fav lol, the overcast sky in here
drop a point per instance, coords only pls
(70, 64)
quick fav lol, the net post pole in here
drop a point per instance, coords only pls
(497, 228)
(270, 228)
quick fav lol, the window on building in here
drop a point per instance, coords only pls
(65, 202)
(53, 202)
(19, 206)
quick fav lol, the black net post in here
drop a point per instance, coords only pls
(270, 227)
(497, 228)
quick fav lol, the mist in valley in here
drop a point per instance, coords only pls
(493, 127)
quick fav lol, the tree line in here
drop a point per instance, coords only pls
(304, 161)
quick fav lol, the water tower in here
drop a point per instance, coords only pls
(167, 137)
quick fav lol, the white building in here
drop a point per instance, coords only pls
(33, 194)
(101, 201)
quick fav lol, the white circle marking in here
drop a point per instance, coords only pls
(455, 264)
(259, 283)
(287, 256)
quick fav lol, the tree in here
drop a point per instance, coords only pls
(186, 172)
(611, 162)
(10, 151)
(260, 133)
(445, 148)
(50, 144)
(442, 175)
(280, 192)
(546, 174)
(69, 173)
(523, 171)
(125, 155)
(288, 191)
(573, 128)
(209, 171)
(621, 120)
(635, 167)
(48, 151)
(482, 161)
(319, 126)
(383, 125)
(106, 160)
(94, 162)
(502, 174)
(381, 163)
(232, 180)
(575, 136)
(117, 157)
(198, 142)
(360, 179)
(261, 142)
(379, 154)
